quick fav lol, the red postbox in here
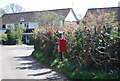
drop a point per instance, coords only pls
(62, 45)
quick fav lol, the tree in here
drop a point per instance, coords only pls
(99, 18)
(13, 8)
(101, 40)
(14, 35)
(2, 11)
(48, 18)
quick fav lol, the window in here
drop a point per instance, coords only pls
(61, 23)
(26, 25)
(3, 26)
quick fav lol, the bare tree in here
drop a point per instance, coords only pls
(2, 11)
(13, 8)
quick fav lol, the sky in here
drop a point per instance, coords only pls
(79, 6)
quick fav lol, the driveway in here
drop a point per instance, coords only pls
(16, 64)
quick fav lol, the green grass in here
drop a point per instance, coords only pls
(71, 70)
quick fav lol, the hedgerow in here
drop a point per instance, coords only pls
(92, 49)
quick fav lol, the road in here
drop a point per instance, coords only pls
(17, 64)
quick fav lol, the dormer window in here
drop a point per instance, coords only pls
(22, 19)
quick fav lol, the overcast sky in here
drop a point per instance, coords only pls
(79, 6)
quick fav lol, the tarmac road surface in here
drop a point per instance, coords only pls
(16, 64)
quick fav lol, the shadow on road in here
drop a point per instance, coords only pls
(24, 58)
(51, 77)
(38, 74)
(28, 63)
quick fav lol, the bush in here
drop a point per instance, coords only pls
(3, 37)
(92, 53)
(14, 35)
(71, 70)
(83, 56)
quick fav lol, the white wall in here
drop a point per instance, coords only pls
(32, 25)
(70, 17)
(12, 25)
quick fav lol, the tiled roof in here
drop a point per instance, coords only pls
(109, 9)
(30, 16)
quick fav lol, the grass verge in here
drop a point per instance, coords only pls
(71, 70)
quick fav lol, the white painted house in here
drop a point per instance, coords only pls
(28, 20)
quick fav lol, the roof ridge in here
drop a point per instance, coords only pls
(103, 8)
(38, 11)
(30, 16)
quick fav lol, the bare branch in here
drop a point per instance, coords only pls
(13, 8)
(2, 11)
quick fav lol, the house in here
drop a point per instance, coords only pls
(2, 30)
(116, 10)
(0, 22)
(28, 20)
